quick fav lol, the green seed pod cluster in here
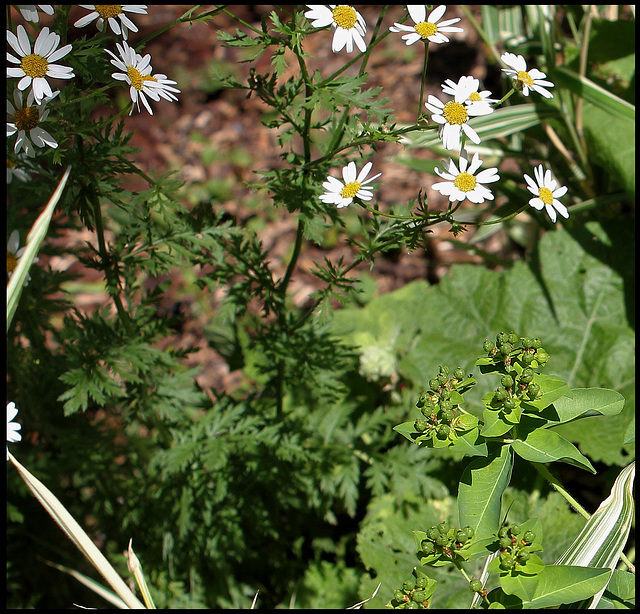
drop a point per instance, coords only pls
(514, 551)
(415, 594)
(444, 542)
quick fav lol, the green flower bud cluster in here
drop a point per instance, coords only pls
(516, 357)
(509, 347)
(415, 594)
(440, 404)
(515, 549)
(444, 543)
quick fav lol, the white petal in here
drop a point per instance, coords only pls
(562, 210)
(349, 172)
(552, 213)
(437, 13)
(418, 12)
(536, 203)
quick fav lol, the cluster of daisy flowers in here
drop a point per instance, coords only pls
(34, 65)
(462, 181)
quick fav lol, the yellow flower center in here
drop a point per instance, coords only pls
(27, 118)
(465, 182)
(475, 97)
(137, 80)
(455, 113)
(345, 16)
(426, 29)
(11, 163)
(34, 65)
(546, 196)
(149, 78)
(351, 189)
(12, 262)
(108, 10)
(523, 76)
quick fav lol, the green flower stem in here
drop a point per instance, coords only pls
(544, 472)
(423, 80)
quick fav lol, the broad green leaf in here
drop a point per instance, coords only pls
(583, 403)
(544, 446)
(552, 388)
(480, 491)
(558, 584)
(519, 584)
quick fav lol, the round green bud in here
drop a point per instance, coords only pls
(428, 547)
(527, 376)
(505, 542)
(512, 338)
(502, 532)
(469, 531)
(412, 605)
(504, 349)
(536, 343)
(462, 537)
(475, 585)
(527, 358)
(509, 403)
(434, 384)
(447, 415)
(501, 338)
(432, 533)
(500, 394)
(424, 399)
(398, 595)
(487, 345)
(442, 540)
(443, 431)
(541, 356)
(420, 425)
(526, 343)
(443, 527)
(529, 536)
(507, 561)
(515, 529)
(421, 581)
(445, 395)
(459, 373)
(408, 585)
(524, 556)
(443, 370)
(442, 379)
(419, 596)
(533, 390)
(507, 381)
(446, 404)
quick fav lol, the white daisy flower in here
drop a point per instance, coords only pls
(463, 183)
(15, 169)
(14, 253)
(454, 115)
(476, 97)
(163, 86)
(342, 194)
(108, 13)
(546, 194)
(137, 73)
(30, 11)
(350, 27)
(12, 427)
(532, 79)
(430, 30)
(35, 67)
(26, 120)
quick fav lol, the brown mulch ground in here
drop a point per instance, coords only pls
(229, 121)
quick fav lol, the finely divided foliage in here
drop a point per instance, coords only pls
(240, 407)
